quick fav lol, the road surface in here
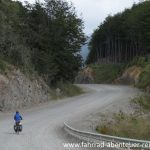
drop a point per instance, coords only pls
(43, 125)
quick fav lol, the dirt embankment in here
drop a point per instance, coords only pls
(85, 76)
(130, 76)
(17, 91)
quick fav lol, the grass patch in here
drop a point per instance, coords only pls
(62, 90)
(128, 126)
(143, 101)
(106, 73)
(138, 61)
(144, 79)
(135, 125)
(4, 67)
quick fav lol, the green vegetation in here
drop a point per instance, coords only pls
(143, 101)
(122, 37)
(137, 61)
(43, 37)
(127, 126)
(105, 73)
(4, 67)
(135, 125)
(62, 90)
(144, 79)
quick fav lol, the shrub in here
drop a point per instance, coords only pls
(66, 90)
(106, 73)
(143, 101)
(129, 127)
(138, 61)
(144, 79)
(4, 66)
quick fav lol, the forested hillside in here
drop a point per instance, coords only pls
(122, 37)
(43, 38)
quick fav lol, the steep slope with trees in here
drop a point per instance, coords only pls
(122, 37)
(39, 52)
(45, 38)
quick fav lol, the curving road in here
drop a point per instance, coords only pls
(43, 124)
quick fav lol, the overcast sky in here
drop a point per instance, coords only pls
(95, 11)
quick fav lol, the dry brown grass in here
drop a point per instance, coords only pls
(127, 126)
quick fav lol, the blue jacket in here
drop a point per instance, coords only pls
(17, 117)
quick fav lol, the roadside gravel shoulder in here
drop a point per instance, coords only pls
(121, 103)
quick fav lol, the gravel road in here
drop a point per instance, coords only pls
(43, 125)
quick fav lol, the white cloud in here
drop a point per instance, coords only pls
(95, 11)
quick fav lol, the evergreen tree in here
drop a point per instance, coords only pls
(42, 37)
(122, 37)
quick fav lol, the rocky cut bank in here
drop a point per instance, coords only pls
(17, 91)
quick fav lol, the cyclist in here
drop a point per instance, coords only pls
(17, 117)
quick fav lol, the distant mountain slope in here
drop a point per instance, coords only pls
(85, 50)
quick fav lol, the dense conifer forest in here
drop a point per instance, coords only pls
(122, 37)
